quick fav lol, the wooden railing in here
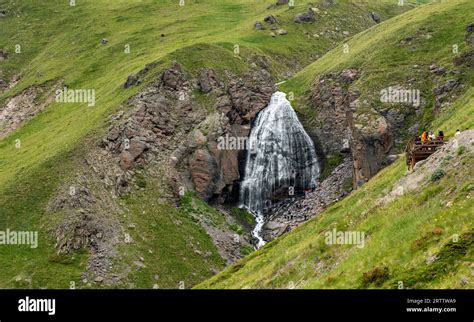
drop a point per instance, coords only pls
(418, 151)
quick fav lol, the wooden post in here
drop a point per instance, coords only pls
(412, 164)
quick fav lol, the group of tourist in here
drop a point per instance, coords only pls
(429, 136)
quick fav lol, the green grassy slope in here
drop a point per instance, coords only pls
(401, 235)
(67, 45)
(384, 61)
(63, 42)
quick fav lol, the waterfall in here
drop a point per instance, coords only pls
(281, 160)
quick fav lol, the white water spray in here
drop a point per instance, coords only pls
(281, 160)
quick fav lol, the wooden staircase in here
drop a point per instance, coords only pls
(417, 151)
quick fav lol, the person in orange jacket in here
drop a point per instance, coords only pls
(424, 136)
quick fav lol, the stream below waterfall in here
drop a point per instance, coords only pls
(281, 161)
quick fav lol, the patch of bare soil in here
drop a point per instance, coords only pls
(24, 106)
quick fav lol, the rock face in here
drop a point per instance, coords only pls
(237, 103)
(131, 80)
(375, 17)
(270, 19)
(208, 80)
(332, 98)
(258, 25)
(466, 58)
(470, 27)
(305, 17)
(173, 78)
(245, 97)
(165, 114)
(370, 147)
(204, 172)
(437, 70)
(443, 92)
(369, 128)
(446, 87)
(160, 111)
(341, 130)
(131, 153)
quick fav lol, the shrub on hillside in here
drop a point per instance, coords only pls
(376, 276)
(244, 215)
(437, 175)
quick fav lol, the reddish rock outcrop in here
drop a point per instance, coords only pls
(238, 103)
(173, 78)
(245, 97)
(164, 124)
(340, 129)
(331, 97)
(204, 172)
(208, 80)
(370, 148)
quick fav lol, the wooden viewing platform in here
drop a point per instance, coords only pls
(417, 151)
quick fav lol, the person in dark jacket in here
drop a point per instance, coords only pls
(440, 136)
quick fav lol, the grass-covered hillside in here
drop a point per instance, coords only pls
(399, 52)
(423, 239)
(418, 227)
(418, 233)
(96, 45)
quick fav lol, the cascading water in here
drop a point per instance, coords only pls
(281, 160)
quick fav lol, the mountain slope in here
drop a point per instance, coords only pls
(84, 47)
(418, 227)
(420, 237)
